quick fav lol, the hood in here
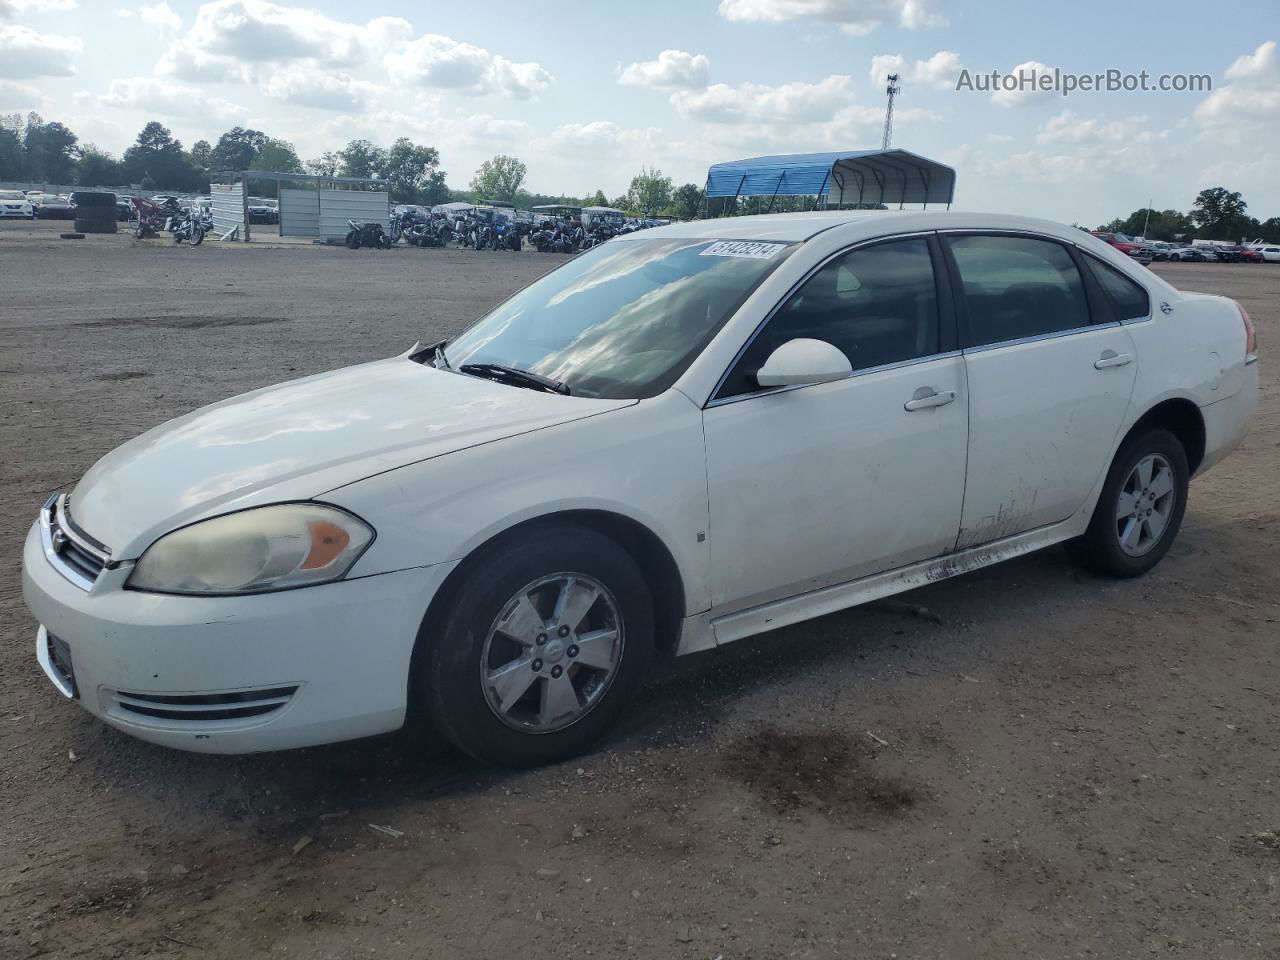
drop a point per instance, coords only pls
(298, 440)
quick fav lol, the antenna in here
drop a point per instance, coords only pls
(892, 90)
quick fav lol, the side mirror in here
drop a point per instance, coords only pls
(803, 361)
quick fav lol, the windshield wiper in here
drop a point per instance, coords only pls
(515, 376)
(433, 352)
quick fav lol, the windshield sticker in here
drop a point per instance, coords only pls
(746, 249)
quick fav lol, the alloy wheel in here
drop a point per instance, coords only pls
(1145, 505)
(551, 653)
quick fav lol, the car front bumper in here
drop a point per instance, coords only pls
(232, 674)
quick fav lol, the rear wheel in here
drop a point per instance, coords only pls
(541, 647)
(1140, 509)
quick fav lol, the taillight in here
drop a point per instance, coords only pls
(1250, 334)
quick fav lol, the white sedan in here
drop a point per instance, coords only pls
(14, 204)
(680, 438)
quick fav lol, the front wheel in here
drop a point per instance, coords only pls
(543, 644)
(1140, 509)
(197, 237)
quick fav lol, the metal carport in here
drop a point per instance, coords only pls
(862, 177)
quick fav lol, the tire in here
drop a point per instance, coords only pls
(468, 641)
(197, 237)
(1101, 547)
(353, 240)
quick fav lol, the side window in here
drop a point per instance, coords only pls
(877, 304)
(1016, 287)
(1129, 299)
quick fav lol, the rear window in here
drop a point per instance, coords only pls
(1128, 298)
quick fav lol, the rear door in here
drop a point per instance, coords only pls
(1050, 371)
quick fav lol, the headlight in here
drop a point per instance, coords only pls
(254, 551)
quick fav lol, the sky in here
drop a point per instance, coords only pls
(588, 92)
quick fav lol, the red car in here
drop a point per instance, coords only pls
(1124, 246)
(1247, 254)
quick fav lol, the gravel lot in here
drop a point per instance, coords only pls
(1024, 762)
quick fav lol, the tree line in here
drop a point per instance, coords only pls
(37, 151)
(1216, 214)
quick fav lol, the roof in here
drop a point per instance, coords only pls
(783, 227)
(852, 226)
(847, 176)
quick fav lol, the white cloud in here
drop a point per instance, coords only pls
(18, 97)
(307, 86)
(12, 8)
(168, 99)
(434, 60)
(754, 102)
(1253, 95)
(1069, 127)
(939, 71)
(1028, 91)
(228, 38)
(161, 15)
(673, 70)
(857, 17)
(24, 53)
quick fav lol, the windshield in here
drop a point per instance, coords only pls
(624, 319)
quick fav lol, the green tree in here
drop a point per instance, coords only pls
(98, 168)
(325, 165)
(156, 158)
(13, 159)
(649, 192)
(360, 158)
(499, 179)
(413, 173)
(687, 201)
(1269, 230)
(201, 154)
(1219, 214)
(597, 199)
(52, 150)
(1158, 224)
(237, 149)
(276, 155)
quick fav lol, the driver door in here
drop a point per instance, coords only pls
(825, 483)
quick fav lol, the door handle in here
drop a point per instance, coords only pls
(926, 398)
(1110, 358)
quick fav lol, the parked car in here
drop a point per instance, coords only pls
(50, 207)
(677, 439)
(124, 208)
(1244, 254)
(263, 210)
(1188, 253)
(1126, 245)
(14, 204)
(1270, 252)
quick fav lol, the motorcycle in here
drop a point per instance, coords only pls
(553, 238)
(151, 217)
(187, 225)
(367, 235)
(506, 236)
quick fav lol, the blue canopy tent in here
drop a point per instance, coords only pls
(845, 177)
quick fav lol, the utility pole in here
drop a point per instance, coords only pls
(1147, 221)
(892, 90)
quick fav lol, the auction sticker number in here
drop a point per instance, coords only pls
(746, 249)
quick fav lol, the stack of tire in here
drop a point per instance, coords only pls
(95, 212)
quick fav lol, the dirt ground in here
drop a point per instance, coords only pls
(1026, 762)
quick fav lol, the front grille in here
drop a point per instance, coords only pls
(73, 553)
(60, 660)
(197, 708)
